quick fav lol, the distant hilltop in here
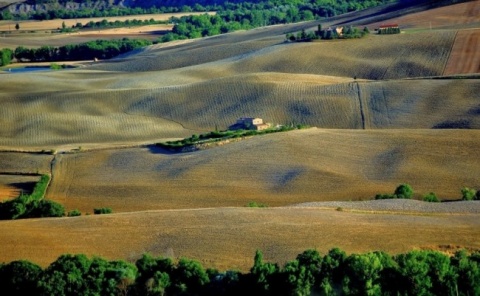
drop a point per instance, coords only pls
(29, 6)
(42, 6)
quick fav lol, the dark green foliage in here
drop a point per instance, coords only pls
(6, 56)
(261, 275)
(374, 273)
(78, 275)
(402, 191)
(100, 49)
(19, 278)
(254, 204)
(469, 194)
(99, 211)
(431, 197)
(74, 213)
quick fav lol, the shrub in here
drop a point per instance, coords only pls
(99, 211)
(404, 191)
(469, 194)
(431, 197)
(254, 204)
(74, 213)
(385, 196)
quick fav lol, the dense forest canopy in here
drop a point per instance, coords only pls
(310, 273)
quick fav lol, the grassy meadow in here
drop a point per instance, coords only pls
(381, 110)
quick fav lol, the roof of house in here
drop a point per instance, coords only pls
(388, 26)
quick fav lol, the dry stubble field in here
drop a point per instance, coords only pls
(380, 135)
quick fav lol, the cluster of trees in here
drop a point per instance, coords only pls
(117, 24)
(100, 49)
(215, 136)
(336, 273)
(271, 11)
(348, 32)
(32, 205)
(402, 191)
(406, 191)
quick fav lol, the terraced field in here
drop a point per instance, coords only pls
(381, 115)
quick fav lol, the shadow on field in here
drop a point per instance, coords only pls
(159, 150)
(24, 187)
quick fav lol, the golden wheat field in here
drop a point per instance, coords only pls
(277, 170)
(226, 238)
(383, 110)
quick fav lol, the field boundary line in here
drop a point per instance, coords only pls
(450, 53)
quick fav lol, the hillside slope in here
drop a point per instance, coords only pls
(276, 169)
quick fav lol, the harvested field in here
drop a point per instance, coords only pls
(24, 163)
(213, 235)
(419, 55)
(277, 169)
(72, 115)
(465, 56)
(400, 206)
(452, 16)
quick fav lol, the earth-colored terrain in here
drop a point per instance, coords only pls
(384, 110)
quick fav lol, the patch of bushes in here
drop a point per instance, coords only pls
(100, 211)
(431, 197)
(470, 194)
(254, 204)
(74, 213)
(402, 191)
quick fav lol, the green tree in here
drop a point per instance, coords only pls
(404, 191)
(189, 277)
(261, 273)
(6, 56)
(468, 272)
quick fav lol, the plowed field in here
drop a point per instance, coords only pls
(465, 55)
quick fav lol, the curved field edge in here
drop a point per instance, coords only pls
(213, 235)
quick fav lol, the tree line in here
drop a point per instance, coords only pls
(98, 49)
(419, 272)
(322, 8)
(32, 205)
(405, 191)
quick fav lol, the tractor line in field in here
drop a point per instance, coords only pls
(362, 112)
